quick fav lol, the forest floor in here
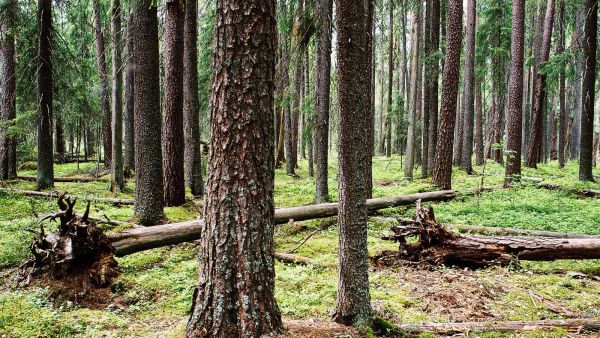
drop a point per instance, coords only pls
(152, 297)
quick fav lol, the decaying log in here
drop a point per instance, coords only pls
(580, 192)
(448, 329)
(33, 193)
(78, 252)
(145, 238)
(495, 231)
(437, 245)
(293, 259)
(72, 179)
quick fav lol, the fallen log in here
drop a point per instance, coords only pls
(292, 259)
(496, 231)
(33, 193)
(580, 192)
(449, 329)
(72, 179)
(145, 238)
(437, 245)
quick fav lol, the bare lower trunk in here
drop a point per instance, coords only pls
(117, 182)
(8, 108)
(45, 169)
(103, 84)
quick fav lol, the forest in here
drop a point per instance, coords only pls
(299, 168)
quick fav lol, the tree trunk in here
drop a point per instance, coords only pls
(442, 172)
(230, 304)
(588, 89)
(426, 91)
(577, 43)
(173, 144)
(117, 182)
(322, 97)
(390, 84)
(129, 155)
(191, 113)
(469, 97)
(562, 131)
(45, 164)
(103, 84)
(412, 113)
(149, 193)
(370, 75)
(433, 94)
(59, 140)
(553, 130)
(479, 158)
(353, 300)
(514, 120)
(458, 132)
(8, 108)
(533, 154)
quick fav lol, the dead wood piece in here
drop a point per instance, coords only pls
(293, 259)
(33, 193)
(570, 325)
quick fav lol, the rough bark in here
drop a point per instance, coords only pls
(588, 91)
(117, 182)
(412, 113)
(191, 113)
(442, 172)
(562, 131)
(144, 238)
(514, 120)
(370, 75)
(353, 300)
(469, 97)
(8, 108)
(236, 249)
(128, 134)
(45, 169)
(322, 97)
(59, 140)
(102, 84)
(433, 94)
(173, 144)
(148, 156)
(533, 151)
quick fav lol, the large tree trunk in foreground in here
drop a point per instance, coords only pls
(8, 108)
(437, 245)
(353, 300)
(45, 165)
(117, 182)
(588, 91)
(103, 84)
(442, 171)
(235, 294)
(149, 193)
(514, 120)
(145, 238)
(191, 113)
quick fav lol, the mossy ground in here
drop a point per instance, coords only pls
(155, 289)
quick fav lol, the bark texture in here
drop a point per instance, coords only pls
(588, 91)
(562, 131)
(514, 120)
(414, 102)
(191, 113)
(128, 134)
(433, 93)
(148, 156)
(8, 108)
(45, 165)
(442, 172)
(323, 79)
(117, 182)
(235, 293)
(469, 97)
(173, 145)
(353, 300)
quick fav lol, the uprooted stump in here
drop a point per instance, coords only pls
(75, 259)
(438, 246)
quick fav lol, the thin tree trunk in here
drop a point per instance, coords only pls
(117, 182)
(191, 113)
(588, 89)
(149, 189)
(129, 154)
(515, 94)
(173, 144)
(59, 140)
(562, 131)
(442, 172)
(433, 95)
(577, 43)
(45, 164)
(479, 158)
(458, 131)
(553, 130)
(241, 302)
(390, 84)
(8, 108)
(426, 92)
(370, 75)
(469, 97)
(533, 155)
(103, 84)
(412, 114)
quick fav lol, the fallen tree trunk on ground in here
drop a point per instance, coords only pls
(497, 231)
(72, 179)
(449, 329)
(293, 259)
(33, 193)
(437, 245)
(580, 192)
(145, 238)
